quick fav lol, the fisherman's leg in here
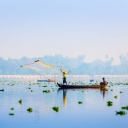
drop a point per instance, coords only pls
(63, 80)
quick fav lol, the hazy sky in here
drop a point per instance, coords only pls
(34, 28)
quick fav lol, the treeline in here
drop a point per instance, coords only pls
(78, 66)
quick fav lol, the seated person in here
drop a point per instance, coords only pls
(104, 82)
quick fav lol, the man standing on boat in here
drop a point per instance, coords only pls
(64, 76)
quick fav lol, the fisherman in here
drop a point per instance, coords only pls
(64, 76)
(104, 82)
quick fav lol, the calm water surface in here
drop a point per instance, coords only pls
(93, 113)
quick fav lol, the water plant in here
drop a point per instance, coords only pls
(44, 86)
(11, 114)
(125, 107)
(29, 109)
(80, 102)
(115, 97)
(46, 91)
(109, 103)
(11, 108)
(55, 109)
(20, 101)
(121, 113)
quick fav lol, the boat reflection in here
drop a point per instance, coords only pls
(64, 95)
(64, 90)
(103, 92)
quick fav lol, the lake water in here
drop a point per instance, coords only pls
(92, 113)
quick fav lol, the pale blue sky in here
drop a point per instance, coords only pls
(34, 28)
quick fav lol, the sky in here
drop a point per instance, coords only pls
(35, 28)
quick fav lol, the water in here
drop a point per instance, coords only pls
(92, 113)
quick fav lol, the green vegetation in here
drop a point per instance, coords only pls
(20, 101)
(126, 83)
(125, 107)
(11, 108)
(46, 91)
(55, 109)
(44, 86)
(80, 102)
(121, 113)
(109, 103)
(11, 114)
(29, 109)
(115, 97)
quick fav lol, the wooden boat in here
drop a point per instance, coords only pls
(81, 86)
(47, 80)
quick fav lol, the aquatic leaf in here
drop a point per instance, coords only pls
(55, 109)
(121, 113)
(80, 102)
(11, 114)
(109, 103)
(20, 101)
(29, 109)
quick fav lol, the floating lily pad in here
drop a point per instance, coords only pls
(121, 113)
(125, 107)
(46, 91)
(55, 109)
(11, 114)
(109, 103)
(20, 101)
(29, 110)
(80, 102)
(115, 97)
(11, 108)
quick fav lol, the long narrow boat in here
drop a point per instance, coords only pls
(81, 86)
(46, 80)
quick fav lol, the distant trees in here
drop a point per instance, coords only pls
(78, 65)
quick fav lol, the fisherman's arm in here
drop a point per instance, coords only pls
(61, 70)
(69, 71)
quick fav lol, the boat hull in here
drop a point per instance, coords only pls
(81, 86)
(48, 80)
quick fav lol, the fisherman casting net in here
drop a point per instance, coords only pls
(46, 70)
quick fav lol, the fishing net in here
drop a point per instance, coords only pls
(49, 71)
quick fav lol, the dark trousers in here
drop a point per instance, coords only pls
(64, 80)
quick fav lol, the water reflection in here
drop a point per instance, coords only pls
(102, 91)
(64, 97)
